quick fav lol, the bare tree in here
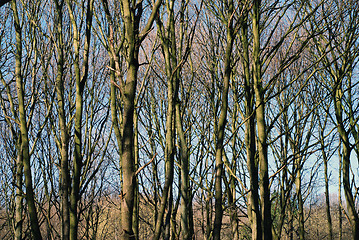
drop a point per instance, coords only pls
(339, 39)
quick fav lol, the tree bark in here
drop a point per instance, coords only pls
(132, 13)
(327, 201)
(80, 85)
(24, 153)
(19, 193)
(298, 184)
(261, 126)
(253, 196)
(218, 215)
(185, 188)
(346, 149)
(64, 138)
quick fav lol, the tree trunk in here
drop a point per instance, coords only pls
(253, 196)
(261, 126)
(169, 149)
(136, 206)
(340, 210)
(80, 85)
(127, 158)
(185, 189)
(352, 213)
(221, 126)
(64, 138)
(298, 183)
(24, 140)
(327, 201)
(128, 97)
(132, 13)
(19, 194)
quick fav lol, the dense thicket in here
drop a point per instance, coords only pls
(179, 119)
